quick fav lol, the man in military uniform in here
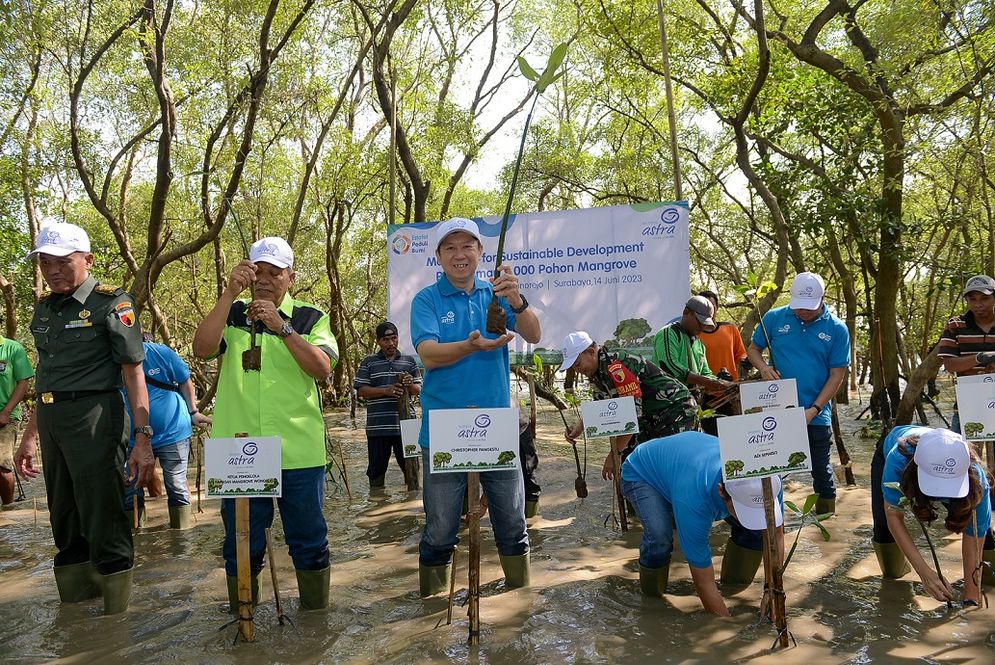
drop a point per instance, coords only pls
(88, 340)
(664, 406)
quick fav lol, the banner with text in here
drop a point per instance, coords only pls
(243, 467)
(619, 272)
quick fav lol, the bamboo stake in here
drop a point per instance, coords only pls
(772, 567)
(452, 589)
(200, 459)
(617, 481)
(246, 627)
(473, 523)
(134, 509)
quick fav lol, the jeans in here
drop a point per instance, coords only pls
(173, 459)
(657, 517)
(304, 526)
(442, 495)
(820, 441)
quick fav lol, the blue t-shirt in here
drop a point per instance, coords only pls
(443, 313)
(806, 352)
(168, 414)
(686, 470)
(895, 463)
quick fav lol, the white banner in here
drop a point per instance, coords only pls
(609, 417)
(763, 444)
(976, 406)
(409, 437)
(243, 467)
(756, 396)
(462, 440)
(619, 269)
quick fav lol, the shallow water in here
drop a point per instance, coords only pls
(584, 605)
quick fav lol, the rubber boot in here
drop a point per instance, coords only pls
(653, 581)
(232, 583)
(988, 574)
(179, 517)
(433, 579)
(892, 560)
(739, 564)
(516, 570)
(117, 591)
(312, 586)
(825, 505)
(77, 582)
(531, 508)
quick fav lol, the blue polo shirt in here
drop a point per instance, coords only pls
(806, 352)
(443, 313)
(168, 412)
(894, 465)
(686, 470)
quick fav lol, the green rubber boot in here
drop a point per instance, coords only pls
(433, 579)
(179, 517)
(739, 565)
(653, 581)
(312, 585)
(232, 583)
(892, 560)
(516, 570)
(988, 574)
(531, 509)
(117, 591)
(77, 582)
(824, 505)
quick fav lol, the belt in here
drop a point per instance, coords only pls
(69, 395)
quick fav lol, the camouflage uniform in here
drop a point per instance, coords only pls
(664, 406)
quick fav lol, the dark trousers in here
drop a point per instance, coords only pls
(379, 449)
(530, 461)
(83, 445)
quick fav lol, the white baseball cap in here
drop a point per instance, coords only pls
(702, 310)
(807, 290)
(60, 239)
(944, 463)
(748, 499)
(452, 226)
(273, 250)
(575, 344)
(980, 283)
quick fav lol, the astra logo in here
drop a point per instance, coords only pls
(269, 249)
(951, 461)
(670, 216)
(769, 424)
(988, 379)
(772, 388)
(250, 448)
(612, 405)
(825, 337)
(50, 237)
(449, 318)
(785, 328)
(483, 420)
(806, 292)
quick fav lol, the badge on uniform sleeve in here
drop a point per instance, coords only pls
(625, 381)
(125, 313)
(84, 313)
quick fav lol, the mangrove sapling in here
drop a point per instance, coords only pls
(580, 482)
(906, 505)
(251, 357)
(806, 512)
(753, 291)
(497, 319)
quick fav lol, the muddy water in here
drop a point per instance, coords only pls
(583, 607)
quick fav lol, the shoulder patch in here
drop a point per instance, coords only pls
(108, 289)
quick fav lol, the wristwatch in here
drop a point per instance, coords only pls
(286, 331)
(519, 310)
(144, 429)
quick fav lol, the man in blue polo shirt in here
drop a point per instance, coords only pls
(467, 367)
(812, 346)
(675, 484)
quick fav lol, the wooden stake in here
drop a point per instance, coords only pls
(452, 588)
(412, 467)
(272, 569)
(473, 522)
(200, 459)
(616, 461)
(772, 566)
(134, 509)
(242, 564)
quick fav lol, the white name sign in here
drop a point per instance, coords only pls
(763, 444)
(759, 396)
(462, 440)
(409, 437)
(243, 467)
(610, 417)
(976, 405)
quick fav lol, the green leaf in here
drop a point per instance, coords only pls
(556, 57)
(537, 361)
(825, 532)
(526, 69)
(742, 288)
(893, 486)
(810, 503)
(791, 505)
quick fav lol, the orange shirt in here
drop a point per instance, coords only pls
(724, 348)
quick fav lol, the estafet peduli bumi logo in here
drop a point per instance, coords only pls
(401, 244)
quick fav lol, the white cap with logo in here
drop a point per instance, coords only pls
(575, 344)
(944, 463)
(60, 239)
(274, 250)
(452, 226)
(980, 283)
(748, 499)
(807, 290)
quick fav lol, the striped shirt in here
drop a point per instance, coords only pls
(962, 337)
(376, 371)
